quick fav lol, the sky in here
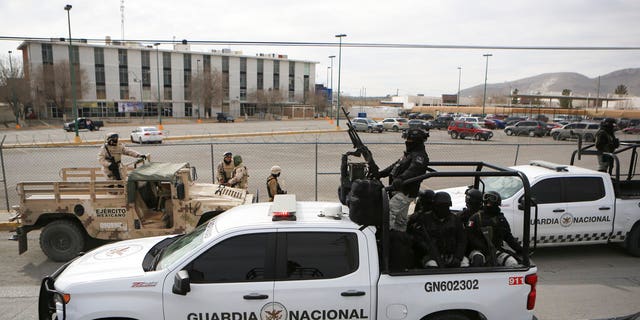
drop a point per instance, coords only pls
(366, 71)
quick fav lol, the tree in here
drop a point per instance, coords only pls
(14, 89)
(52, 84)
(269, 101)
(207, 90)
(621, 90)
(566, 102)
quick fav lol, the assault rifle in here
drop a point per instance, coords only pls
(114, 167)
(361, 149)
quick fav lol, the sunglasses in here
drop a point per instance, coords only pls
(490, 197)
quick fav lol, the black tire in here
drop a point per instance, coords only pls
(589, 137)
(532, 133)
(478, 137)
(132, 140)
(454, 135)
(140, 140)
(62, 240)
(508, 132)
(395, 128)
(633, 241)
(555, 136)
(369, 130)
(449, 315)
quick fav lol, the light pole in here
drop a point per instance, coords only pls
(331, 83)
(339, 36)
(458, 95)
(76, 139)
(486, 69)
(157, 44)
(135, 79)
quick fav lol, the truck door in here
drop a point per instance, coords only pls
(547, 194)
(322, 275)
(590, 209)
(232, 279)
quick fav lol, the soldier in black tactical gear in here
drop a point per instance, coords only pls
(412, 163)
(606, 141)
(488, 230)
(473, 200)
(439, 236)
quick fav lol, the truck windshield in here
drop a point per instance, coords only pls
(184, 245)
(505, 186)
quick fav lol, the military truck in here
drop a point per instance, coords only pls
(84, 209)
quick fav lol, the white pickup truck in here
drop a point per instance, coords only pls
(574, 205)
(280, 260)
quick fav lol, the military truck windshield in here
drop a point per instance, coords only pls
(505, 186)
(185, 244)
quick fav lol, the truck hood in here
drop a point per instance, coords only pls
(119, 260)
(214, 197)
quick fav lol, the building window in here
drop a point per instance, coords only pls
(47, 54)
(292, 80)
(186, 79)
(276, 75)
(123, 73)
(206, 64)
(101, 92)
(146, 69)
(98, 56)
(124, 92)
(225, 76)
(188, 110)
(260, 75)
(243, 78)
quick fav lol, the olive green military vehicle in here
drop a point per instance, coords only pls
(84, 209)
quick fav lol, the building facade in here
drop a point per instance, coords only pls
(130, 79)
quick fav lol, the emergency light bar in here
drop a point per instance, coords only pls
(283, 208)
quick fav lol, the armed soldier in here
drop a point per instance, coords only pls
(110, 156)
(488, 230)
(413, 163)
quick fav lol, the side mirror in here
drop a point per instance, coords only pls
(181, 283)
(521, 203)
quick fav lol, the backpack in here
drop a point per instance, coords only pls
(365, 202)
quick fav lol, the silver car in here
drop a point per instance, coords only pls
(573, 130)
(367, 125)
(395, 124)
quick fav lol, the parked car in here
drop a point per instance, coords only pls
(441, 122)
(395, 124)
(420, 124)
(413, 115)
(461, 129)
(512, 120)
(146, 135)
(83, 123)
(489, 124)
(224, 117)
(425, 116)
(632, 130)
(367, 125)
(528, 127)
(572, 130)
(477, 120)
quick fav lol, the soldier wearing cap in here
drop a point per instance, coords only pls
(412, 164)
(225, 168)
(273, 185)
(110, 156)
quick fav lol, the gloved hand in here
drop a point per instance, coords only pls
(616, 143)
(455, 262)
(397, 184)
(142, 156)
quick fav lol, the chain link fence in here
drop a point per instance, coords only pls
(309, 169)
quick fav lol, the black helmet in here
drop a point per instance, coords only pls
(493, 198)
(112, 139)
(424, 200)
(416, 134)
(442, 198)
(608, 123)
(473, 197)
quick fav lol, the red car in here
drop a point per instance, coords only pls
(632, 130)
(461, 129)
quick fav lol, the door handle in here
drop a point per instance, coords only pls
(255, 296)
(558, 210)
(352, 293)
(604, 208)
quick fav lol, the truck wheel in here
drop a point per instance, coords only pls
(449, 316)
(633, 241)
(62, 240)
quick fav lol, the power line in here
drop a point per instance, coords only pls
(344, 44)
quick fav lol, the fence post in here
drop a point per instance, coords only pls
(316, 175)
(4, 176)
(515, 161)
(213, 170)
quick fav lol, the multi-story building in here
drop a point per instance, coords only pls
(130, 79)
